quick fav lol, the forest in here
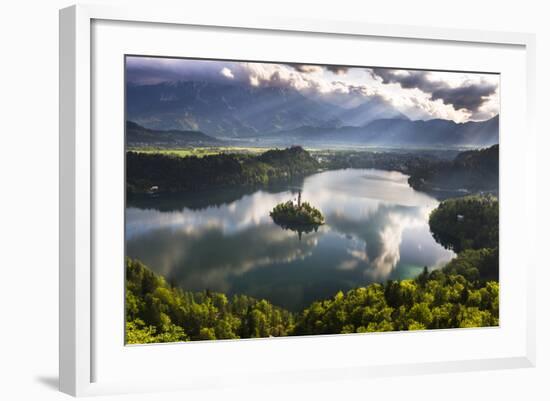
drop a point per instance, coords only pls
(172, 174)
(464, 293)
(388, 159)
(429, 171)
(473, 170)
(470, 222)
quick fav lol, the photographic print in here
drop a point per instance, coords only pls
(270, 199)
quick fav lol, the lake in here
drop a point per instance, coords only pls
(376, 229)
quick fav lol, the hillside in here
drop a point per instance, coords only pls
(138, 136)
(432, 133)
(173, 174)
(284, 116)
(232, 110)
(475, 170)
(461, 294)
(398, 132)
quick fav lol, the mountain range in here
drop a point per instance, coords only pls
(400, 132)
(284, 115)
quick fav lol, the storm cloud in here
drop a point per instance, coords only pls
(306, 68)
(155, 70)
(338, 69)
(416, 93)
(469, 96)
(309, 68)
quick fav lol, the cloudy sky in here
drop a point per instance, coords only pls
(418, 94)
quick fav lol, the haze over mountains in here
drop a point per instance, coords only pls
(228, 112)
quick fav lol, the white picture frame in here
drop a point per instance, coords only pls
(80, 213)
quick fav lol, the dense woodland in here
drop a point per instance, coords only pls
(464, 293)
(474, 170)
(470, 222)
(404, 162)
(179, 174)
(433, 171)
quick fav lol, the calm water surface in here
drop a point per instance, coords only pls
(376, 229)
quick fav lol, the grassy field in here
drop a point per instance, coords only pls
(203, 151)
(206, 151)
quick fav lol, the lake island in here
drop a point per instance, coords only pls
(299, 216)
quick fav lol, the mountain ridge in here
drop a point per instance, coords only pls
(284, 116)
(136, 136)
(400, 132)
(233, 110)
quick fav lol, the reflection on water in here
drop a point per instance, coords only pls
(376, 229)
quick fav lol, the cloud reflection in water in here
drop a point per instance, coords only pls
(376, 226)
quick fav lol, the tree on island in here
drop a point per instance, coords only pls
(300, 216)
